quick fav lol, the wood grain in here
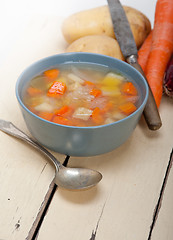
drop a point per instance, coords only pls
(25, 175)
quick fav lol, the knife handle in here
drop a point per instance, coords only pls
(151, 113)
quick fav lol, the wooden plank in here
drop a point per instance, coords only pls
(25, 175)
(162, 229)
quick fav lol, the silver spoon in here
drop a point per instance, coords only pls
(69, 178)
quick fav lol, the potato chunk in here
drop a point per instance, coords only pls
(82, 113)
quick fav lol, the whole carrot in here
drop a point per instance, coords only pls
(161, 48)
(144, 51)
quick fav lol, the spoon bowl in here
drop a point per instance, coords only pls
(68, 178)
(81, 178)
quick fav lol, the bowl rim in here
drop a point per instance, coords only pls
(81, 54)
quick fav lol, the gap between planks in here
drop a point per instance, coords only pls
(33, 233)
(160, 199)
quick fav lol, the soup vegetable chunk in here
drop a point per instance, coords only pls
(81, 95)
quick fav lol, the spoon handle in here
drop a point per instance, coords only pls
(12, 130)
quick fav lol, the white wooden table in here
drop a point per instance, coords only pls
(134, 198)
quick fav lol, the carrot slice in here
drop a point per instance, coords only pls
(97, 116)
(33, 91)
(108, 106)
(46, 115)
(57, 88)
(127, 108)
(89, 83)
(65, 110)
(61, 120)
(95, 92)
(129, 88)
(52, 73)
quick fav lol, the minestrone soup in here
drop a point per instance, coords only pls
(81, 95)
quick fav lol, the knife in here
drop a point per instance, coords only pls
(129, 50)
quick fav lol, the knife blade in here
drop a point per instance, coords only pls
(129, 50)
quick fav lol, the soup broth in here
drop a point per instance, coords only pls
(81, 95)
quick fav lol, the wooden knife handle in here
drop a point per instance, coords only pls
(151, 113)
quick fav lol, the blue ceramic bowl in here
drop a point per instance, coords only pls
(81, 141)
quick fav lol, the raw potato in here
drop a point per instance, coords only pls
(96, 44)
(97, 21)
